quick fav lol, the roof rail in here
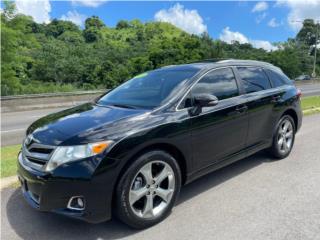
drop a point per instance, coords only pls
(211, 60)
(221, 60)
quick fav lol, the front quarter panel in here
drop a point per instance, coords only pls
(171, 128)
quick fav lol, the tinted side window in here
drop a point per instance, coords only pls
(220, 82)
(253, 79)
(276, 79)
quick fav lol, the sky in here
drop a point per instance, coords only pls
(260, 23)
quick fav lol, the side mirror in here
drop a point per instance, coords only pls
(202, 100)
(205, 100)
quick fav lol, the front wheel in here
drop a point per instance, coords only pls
(147, 191)
(283, 138)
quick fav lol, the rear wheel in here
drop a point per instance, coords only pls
(283, 138)
(147, 191)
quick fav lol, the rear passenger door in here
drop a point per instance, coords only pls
(261, 98)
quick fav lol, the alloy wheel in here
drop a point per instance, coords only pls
(152, 189)
(285, 136)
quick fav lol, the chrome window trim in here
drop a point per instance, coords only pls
(231, 66)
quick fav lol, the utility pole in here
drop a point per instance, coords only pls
(315, 50)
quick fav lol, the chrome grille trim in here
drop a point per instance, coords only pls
(29, 165)
(36, 155)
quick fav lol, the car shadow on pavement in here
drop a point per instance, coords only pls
(31, 224)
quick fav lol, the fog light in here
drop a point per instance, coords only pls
(80, 202)
(76, 203)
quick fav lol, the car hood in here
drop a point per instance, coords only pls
(84, 123)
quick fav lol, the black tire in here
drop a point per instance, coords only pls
(123, 209)
(275, 150)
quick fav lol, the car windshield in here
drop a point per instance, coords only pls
(148, 90)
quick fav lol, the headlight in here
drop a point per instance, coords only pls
(66, 154)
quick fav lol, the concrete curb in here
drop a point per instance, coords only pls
(311, 111)
(7, 181)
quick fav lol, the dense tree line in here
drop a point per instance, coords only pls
(60, 56)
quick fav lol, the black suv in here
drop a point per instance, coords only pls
(128, 153)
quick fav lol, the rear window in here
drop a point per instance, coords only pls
(278, 79)
(253, 79)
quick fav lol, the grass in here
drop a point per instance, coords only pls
(310, 105)
(9, 160)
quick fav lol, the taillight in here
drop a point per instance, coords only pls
(299, 93)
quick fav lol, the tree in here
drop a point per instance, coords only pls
(93, 26)
(94, 22)
(71, 37)
(91, 35)
(122, 24)
(9, 42)
(307, 33)
(57, 27)
(60, 56)
(9, 9)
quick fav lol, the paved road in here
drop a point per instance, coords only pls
(309, 89)
(255, 198)
(14, 124)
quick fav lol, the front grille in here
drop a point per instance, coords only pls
(41, 150)
(37, 154)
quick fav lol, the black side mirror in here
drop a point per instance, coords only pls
(205, 100)
(202, 100)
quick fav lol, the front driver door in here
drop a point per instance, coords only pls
(218, 132)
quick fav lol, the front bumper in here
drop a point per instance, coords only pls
(46, 192)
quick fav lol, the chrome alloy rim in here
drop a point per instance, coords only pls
(285, 136)
(152, 189)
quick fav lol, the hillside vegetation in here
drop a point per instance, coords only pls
(60, 56)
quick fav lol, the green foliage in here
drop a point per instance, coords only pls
(9, 9)
(60, 56)
(57, 27)
(94, 22)
(92, 31)
(8, 160)
(310, 102)
(307, 33)
(122, 24)
(310, 105)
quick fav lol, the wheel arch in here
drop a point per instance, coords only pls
(292, 113)
(167, 147)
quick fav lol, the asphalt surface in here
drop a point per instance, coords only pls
(255, 198)
(14, 124)
(309, 89)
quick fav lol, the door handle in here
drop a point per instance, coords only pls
(276, 99)
(242, 108)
